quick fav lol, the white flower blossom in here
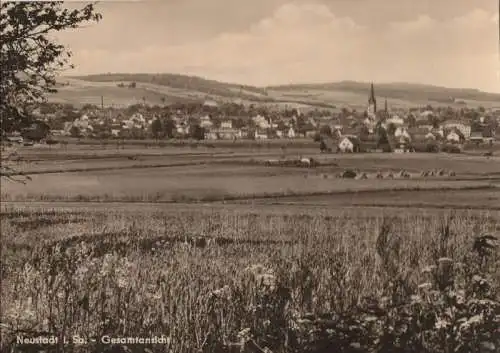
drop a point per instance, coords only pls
(441, 323)
(425, 286)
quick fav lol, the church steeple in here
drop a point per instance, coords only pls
(385, 106)
(372, 102)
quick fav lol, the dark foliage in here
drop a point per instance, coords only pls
(29, 58)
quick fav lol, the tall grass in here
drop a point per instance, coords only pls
(219, 281)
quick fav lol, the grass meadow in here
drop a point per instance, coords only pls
(213, 183)
(176, 174)
(214, 252)
(220, 280)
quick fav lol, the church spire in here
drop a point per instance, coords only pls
(372, 102)
(385, 105)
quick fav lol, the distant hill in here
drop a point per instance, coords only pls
(194, 83)
(400, 91)
(168, 88)
(155, 89)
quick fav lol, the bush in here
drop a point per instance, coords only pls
(451, 149)
(349, 173)
(432, 148)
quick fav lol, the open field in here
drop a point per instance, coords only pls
(205, 277)
(209, 182)
(95, 154)
(487, 199)
(174, 174)
(219, 253)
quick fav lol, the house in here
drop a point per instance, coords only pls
(488, 134)
(261, 134)
(206, 122)
(57, 132)
(15, 139)
(182, 128)
(439, 132)
(286, 133)
(310, 133)
(346, 145)
(349, 144)
(425, 114)
(400, 144)
(453, 137)
(82, 125)
(313, 122)
(210, 103)
(261, 122)
(476, 136)
(226, 124)
(286, 120)
(396, 120)
(430, 136)
(402, 132)
(138, 118)
(464, 129)
(370, 124)
(223, 134)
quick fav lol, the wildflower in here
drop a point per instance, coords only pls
(445, 260)
(245, 335)
(156, 295)
(416, 299)
(45, 324)
(425, 286)
(428, 269)
(80, 273)
(121, 281)
(256, 269)
(223, 293)
(107, 265)
(29, 314)
(476, 319)
(370, 318)
(440, 323)
(478, 279)
(303, 321)
(355, 345)
(267, 279)
(458, 296)
(384, 301)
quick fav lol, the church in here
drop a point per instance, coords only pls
(372, 105)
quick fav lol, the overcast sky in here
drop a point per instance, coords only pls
(451, 43)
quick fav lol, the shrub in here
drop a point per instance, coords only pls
(451, 149)
(432, 147)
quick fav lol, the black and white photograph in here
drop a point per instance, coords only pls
(264, 176)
